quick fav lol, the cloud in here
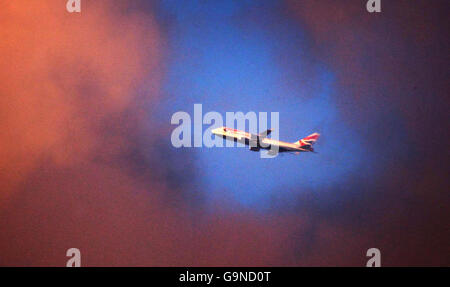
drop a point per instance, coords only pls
(64, 76)
(78, 167)
(392, 78)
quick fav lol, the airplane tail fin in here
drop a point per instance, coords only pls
(308, 141)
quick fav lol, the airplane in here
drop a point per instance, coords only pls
(261, 141)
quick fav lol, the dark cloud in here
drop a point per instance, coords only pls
(392, 78)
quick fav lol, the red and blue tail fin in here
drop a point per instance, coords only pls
(309, 140)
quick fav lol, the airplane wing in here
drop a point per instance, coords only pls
(255, 139)
(265, 133)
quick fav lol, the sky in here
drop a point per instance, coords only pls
(86, 159)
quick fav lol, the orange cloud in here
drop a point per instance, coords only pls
(62, 75)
